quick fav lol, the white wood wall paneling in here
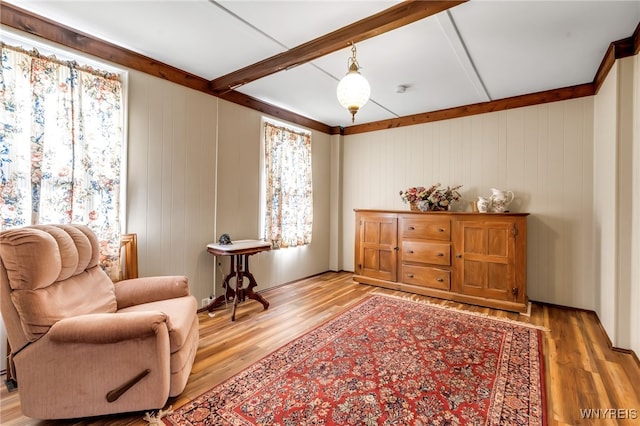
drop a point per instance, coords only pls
(605, 196)
(171, 180)
(634, 321)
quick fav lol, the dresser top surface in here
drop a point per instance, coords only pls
(442, 213)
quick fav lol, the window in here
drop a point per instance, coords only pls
(288, 189)
(61, 146)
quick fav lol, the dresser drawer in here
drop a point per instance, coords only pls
(426, 276)
(425, 228)
(426, 252)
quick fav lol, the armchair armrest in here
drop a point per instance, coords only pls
(107, 328)
(137, 291)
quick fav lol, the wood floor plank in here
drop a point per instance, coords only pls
(581, 371)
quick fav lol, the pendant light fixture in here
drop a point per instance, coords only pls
(353, 90)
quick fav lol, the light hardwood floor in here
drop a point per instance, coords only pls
(582, 372)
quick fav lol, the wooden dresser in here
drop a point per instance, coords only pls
(477, 258)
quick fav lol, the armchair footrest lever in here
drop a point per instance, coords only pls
(116, 393)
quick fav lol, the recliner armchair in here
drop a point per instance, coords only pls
(81, 345)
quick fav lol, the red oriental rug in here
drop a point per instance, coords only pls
(388, 361)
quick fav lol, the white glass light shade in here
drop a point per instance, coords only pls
(353, 92)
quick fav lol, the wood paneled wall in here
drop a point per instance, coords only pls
(617, 204)
(171, 178)
(194, 173)
(605, 225)
(634, 322)
(544, 154)
(238, 199)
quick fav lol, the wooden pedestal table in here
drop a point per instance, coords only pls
(239, 268)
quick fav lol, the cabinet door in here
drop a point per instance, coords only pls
(485, 258)
(377, 246)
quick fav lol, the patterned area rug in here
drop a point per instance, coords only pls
(388, 361)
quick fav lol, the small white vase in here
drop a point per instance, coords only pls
(483, 204)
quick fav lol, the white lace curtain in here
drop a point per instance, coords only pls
(61, 143)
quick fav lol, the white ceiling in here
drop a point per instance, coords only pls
(478, 51)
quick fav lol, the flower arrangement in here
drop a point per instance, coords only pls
(414, 194)
(432, 198)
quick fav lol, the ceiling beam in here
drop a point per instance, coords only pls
(274, 111)
(389, 19)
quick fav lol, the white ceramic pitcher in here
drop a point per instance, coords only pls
(483, 204)
(500, 199)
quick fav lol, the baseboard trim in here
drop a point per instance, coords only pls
(298, 280)
(600, 326)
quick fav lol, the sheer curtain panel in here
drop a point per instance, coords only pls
(61, 143)
(288, 186)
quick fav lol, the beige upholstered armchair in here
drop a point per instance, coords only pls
(82, 346)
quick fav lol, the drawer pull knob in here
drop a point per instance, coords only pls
(439, 279)
(410, 251)
(459, 256)
(440, 254)
(411, 228)
(440, 229)
(410, 275)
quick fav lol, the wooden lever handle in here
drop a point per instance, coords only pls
(117, 392)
